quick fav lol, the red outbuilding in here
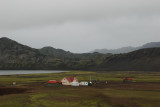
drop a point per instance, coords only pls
(53, 83)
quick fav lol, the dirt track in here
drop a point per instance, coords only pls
(114, 85)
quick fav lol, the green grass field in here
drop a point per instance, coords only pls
(143, 92)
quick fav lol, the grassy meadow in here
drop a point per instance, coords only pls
(30, 90)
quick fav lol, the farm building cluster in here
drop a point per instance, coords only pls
(71, 81)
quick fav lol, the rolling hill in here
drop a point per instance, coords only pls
(14, 55)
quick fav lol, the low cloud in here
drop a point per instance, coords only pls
(80, 25)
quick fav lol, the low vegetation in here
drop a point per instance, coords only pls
(30, 90)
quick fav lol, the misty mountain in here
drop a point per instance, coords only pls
(127, 49)
(15, 56)
(151, 45)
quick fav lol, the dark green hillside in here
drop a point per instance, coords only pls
(50, 51)
(8, 45)
(17, 56)
(55, 52)
(144, 59)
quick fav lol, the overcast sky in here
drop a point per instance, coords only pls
(80, 25)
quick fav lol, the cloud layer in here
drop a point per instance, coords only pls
(80, 25)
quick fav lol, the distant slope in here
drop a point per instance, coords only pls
(151, 45)
(116, 51)
(144, 59)
(127, 49)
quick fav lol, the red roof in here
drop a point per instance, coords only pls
(70, 79)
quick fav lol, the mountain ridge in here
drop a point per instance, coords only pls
(15, 56)
(127, 49)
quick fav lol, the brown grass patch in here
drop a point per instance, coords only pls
(11, 90)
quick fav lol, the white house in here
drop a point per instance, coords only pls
(68, 80)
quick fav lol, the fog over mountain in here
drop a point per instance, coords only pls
(127, 49)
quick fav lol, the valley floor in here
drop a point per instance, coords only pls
(31, 91)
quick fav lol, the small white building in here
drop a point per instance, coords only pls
(75, 84)
(83, 83)
(68, 80)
